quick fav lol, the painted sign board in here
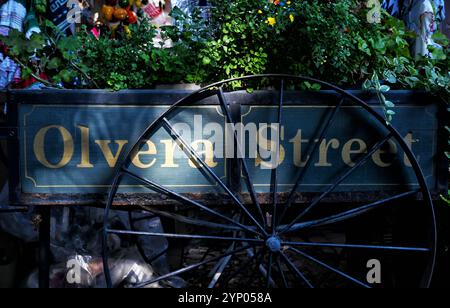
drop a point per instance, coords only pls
(74, 148)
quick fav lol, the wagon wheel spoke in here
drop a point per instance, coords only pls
(186, 201)
(222, 264)
(269, 270)
(240, 153)
(286, 265)
(186, 236)
(354, 246)
(190, 151)
(337, 271)
(191, 267)
(347, 214)
(281, 272)
(258, 266)
(190, 221)
(317, 201)
(311, 150)
(220, 268)
(274, 175)
(141, 218)
(244, 266)
(295, 270)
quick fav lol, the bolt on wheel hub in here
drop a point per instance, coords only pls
(274, 244)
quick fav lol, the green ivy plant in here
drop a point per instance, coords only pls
(373, 85)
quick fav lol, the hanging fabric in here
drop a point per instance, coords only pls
(421, 20)
(439, 6)
(393, 7)
(185, 5)
(12, 16)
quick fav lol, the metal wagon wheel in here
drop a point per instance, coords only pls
(282, 243)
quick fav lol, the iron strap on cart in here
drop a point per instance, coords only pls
(341, 190)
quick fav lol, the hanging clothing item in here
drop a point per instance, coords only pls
(393, 7)
(12, 14)
(186, 6)
(439, 7)
(9, 71)
(421, 19)
(154, 8)
(58, 14)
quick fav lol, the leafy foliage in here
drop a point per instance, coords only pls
(46, 52)
(238, 46)
(330, 40)
(375, 86)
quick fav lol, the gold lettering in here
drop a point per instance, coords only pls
(39, 147)
(377, 159)
(85, 155)
(170, 146)
(298, 142)
(270, 146)
(323, 152)
(111, 159)
(136, 160)
(348, 150)
(409, 142)
(208, 152)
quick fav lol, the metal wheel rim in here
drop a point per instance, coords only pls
(393, 133)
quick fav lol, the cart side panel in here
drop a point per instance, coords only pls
(70, 141)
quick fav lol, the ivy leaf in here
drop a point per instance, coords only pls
(390, 77)
(391, 112)
(385, 88)
(389, 104)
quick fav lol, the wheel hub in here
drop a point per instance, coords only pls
(274, 244)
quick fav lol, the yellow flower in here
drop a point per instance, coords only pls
(271, 21)
(288, 3)
(260, 12)
(292, 18)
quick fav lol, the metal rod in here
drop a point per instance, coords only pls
(184, 200)
(262, 269)
(250, 187)
(185, 236)
(221, 266)
(218, 272)
(191, 221)
(243, 266)
(348, 214)
(191, 151)
(366, 157)
(340, 273)
(191, 267)
(44, 247)
(274, 175)
(296, 270)
(280, 270)
(311, 150)
(111, 195)
(337, 245)
(269, 270)
(258, 265)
